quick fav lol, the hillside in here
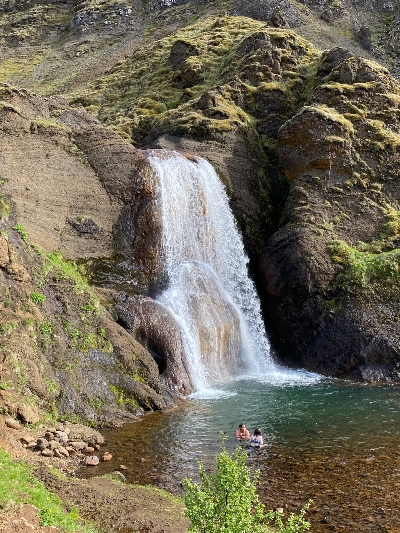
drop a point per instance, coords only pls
(306, 142)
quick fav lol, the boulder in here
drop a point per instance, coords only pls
(11, 423)
(29, 414)
(91, 460)
(159, 332)
(42, 444)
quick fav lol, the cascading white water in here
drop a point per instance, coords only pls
(208, 288)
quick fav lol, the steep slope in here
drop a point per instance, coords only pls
(60, 349)
(306, 143)
(332, 271)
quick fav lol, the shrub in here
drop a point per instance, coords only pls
(22, 231)
(37, 297)
(225, 501)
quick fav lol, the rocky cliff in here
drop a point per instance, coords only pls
(60, 349)
(306, 143)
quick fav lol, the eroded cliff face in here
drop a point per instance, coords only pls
(70, 193)
(305, 142)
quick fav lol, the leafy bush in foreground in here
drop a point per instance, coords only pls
(225, 501)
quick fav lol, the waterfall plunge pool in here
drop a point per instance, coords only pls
(333, 441)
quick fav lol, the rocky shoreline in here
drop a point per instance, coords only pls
(132, 507)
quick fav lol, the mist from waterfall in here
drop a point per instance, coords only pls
(208, 289)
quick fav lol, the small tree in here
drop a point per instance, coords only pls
(225, 501)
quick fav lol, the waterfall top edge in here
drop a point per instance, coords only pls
(164, 154)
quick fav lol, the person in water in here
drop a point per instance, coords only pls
(242, 432)
(256, 439)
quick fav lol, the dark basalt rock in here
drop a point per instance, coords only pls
(323, 315)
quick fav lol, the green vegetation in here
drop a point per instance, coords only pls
(51, 124)
(19, 486)
(22, 231)
(5, 208)
(362, 268)
(166, 96)
(122, 397)
(37, 297)
(226, 501)
(376, 261)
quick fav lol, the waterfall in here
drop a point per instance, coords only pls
(208, 289)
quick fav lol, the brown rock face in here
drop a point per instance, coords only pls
(129, 180)
(71, 190)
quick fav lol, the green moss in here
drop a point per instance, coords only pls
(122, 398)
(50, 124)
(13, 67)
(331, 114)
(363, 268)
(143, 92)
(382, 135)
(139, 378)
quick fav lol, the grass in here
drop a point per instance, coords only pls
(19, 486)
(22, 231)
(37, 297)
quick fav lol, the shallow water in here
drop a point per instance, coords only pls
(332, 441)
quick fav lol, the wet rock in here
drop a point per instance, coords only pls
(91, 460)
(154, 324)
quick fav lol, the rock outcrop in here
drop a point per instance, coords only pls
(70, 193)
(331, 271)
